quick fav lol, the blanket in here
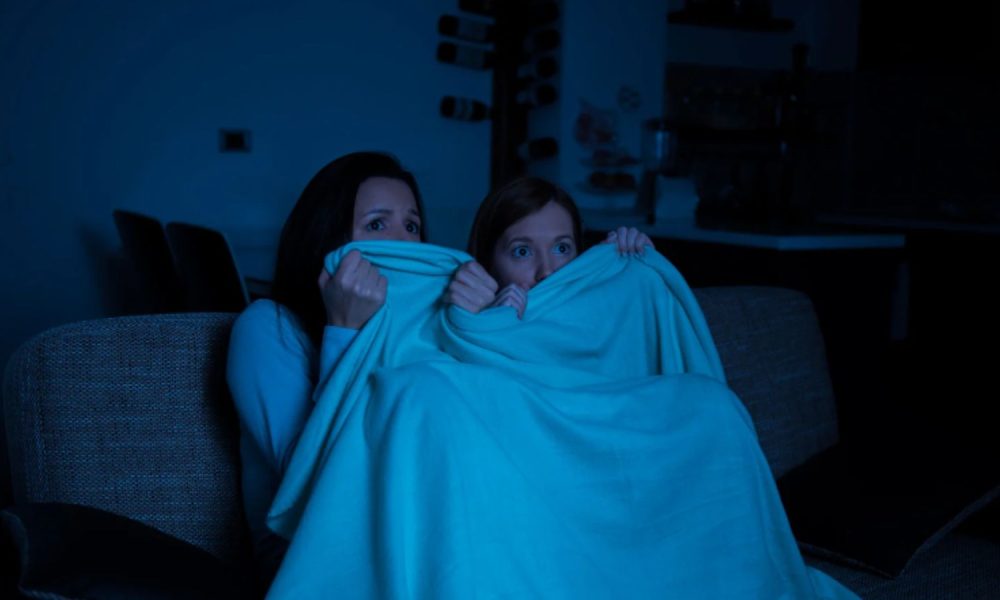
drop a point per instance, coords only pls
(590, 449)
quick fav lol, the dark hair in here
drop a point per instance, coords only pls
(322, 221)
(509, 204)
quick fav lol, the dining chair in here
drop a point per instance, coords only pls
(211, 279)
(145, 248)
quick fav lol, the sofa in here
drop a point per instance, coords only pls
(123, 446)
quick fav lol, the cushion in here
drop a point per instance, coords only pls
(877, 507)
(72, 551)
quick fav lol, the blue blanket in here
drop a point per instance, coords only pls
(588, 450)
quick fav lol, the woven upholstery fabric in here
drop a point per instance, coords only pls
(131, 415)
(775, 360)
(962, 566)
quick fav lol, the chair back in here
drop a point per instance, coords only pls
(211, 280)
(146, 249)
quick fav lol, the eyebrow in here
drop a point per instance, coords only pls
(519, 240)
(527, 240)
(386, 211)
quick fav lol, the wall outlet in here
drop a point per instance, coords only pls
(234, 140)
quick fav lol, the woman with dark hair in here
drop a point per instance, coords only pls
(282, 349)
(522, 233)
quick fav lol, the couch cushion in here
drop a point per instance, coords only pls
(69, 551)
(775, 360)
(962, 566)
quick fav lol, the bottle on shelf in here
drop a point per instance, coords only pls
(466, 29)
(464, 56)
(535, 14)
(537, 95)
(464, 109)
(544, 40)
(542, 67)
(538, 148)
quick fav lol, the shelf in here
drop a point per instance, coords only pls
(723, 21)
(709, 134)
(755, 135)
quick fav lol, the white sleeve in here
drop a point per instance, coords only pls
(335, 343)
(269, 376)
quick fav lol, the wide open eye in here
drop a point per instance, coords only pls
(563, 248)
(520, 252)
(375, 225)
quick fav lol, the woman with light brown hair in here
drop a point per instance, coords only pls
(523, 232)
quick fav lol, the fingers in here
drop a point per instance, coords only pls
(355, 273)
(471, 288)
(629, 240)
(474, 275)
(324, 279)
(471, 298)
(518, 302)
(631, 235)
(621, 237)
(617, 237)
(512, 296)
(511, 291)
(349, 263)
(461, 295)
(367, 282)
(381, 287)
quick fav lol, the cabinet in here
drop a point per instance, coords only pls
(765, 147)
(526, 31)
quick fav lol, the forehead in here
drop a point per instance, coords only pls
(552, 221)
(384, 192)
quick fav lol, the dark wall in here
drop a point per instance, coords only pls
(904, 33)
(926, 124)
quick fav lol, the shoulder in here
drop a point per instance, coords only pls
(267, 326)
(263, 316)
(260, 312)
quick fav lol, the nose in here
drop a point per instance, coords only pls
(544, 269)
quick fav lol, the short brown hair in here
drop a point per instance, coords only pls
(509, 204)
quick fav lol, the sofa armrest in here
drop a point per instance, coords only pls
(774, 357)
(131, 415)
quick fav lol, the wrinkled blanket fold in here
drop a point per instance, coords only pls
(588, 450)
